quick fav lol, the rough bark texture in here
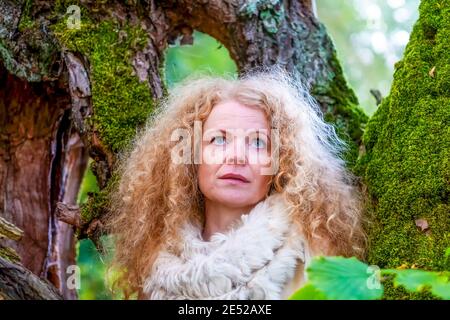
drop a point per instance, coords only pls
(68, 93)
(37, 148)
(18, 283)
(407, 164)
(41, 158)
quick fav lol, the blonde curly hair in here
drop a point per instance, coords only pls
(155, 196)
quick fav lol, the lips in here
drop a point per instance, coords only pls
(234, 176)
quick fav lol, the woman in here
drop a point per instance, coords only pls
(230, 190)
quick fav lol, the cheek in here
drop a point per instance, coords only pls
(261, 182)
(206, 174)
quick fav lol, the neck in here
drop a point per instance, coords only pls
(219, 217)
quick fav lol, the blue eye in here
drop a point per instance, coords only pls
(258, 143)
(218, 140)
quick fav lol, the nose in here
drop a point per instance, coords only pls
(235, 152)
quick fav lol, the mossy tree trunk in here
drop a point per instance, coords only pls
(407, 160)
(72, 91)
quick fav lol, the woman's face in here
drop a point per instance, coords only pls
(235, 151)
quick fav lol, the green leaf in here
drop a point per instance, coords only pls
(308, 292)
(344, 278)
(441, 288)
(411, 279)
(416, 280)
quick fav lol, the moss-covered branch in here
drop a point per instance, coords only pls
(11, 232)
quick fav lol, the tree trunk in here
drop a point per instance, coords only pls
(41, 162)
(406, 165)
(69, 93)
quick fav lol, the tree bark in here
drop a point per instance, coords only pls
(61, 99)
(18, 283)
(41, 162)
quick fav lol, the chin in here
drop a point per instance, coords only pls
(235, 199)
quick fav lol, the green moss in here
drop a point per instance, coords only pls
(95, 205)
(407, 160)
(9, 254)
(9, 231)
(99, 202)
(120, 102)
(26, 22)
(343, 109)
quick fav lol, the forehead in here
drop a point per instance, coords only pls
(234, 115)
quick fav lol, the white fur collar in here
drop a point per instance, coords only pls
(253, 260)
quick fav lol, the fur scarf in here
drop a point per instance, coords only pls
(254, 260)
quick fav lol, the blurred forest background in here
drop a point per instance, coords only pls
(369, 36)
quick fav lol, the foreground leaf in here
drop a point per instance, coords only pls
(308, 292)
(344, 279)
(417, 280)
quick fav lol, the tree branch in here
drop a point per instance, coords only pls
(18, 283)
(10, 231)
(69, 214)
